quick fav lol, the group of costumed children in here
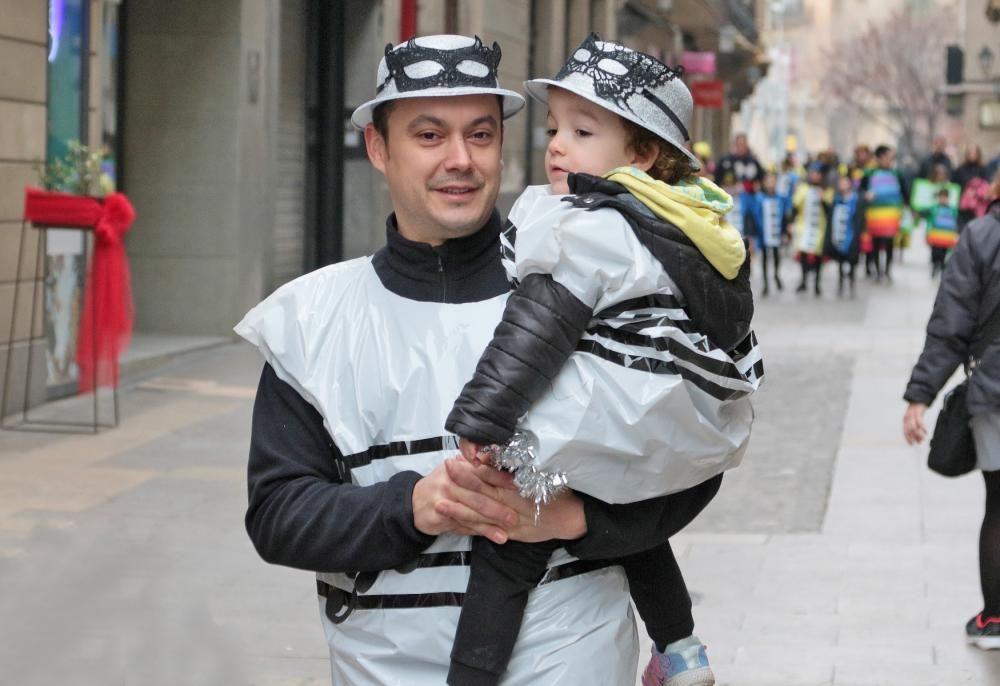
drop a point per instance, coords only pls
(863, 214)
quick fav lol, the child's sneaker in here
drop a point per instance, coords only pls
(682, 663)
(982, 632)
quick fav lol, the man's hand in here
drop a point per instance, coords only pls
(562, 518)
(455, 498)
(914, 430)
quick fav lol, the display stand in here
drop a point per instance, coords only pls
(77, 222)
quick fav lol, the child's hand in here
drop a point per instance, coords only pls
(473, 452)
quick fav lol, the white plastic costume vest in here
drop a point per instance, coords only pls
(839, 228)
(809, 238)
(646, 406)
(384, 371)
(735, 215)
(771, 212)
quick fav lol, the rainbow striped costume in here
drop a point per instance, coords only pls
(942, 227)
(884, 212)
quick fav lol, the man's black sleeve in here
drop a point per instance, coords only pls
(300, 514)
(621, 530)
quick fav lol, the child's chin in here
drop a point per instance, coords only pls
(559, 186)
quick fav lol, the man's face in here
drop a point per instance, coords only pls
(740, 146)
(442, 163)
(940, 144)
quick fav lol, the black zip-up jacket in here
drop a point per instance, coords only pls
(968, 298)
(301, 514)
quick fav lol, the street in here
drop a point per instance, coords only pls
(831, 557)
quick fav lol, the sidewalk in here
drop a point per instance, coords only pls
(880, 594)
(831, 557)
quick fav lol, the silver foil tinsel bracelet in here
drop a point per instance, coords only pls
(520, 456)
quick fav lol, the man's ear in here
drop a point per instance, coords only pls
(377, 148)
(645, 157)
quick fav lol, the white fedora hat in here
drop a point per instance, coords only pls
(438, 66)
(629, 83)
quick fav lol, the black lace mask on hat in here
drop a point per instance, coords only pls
(636, 74)
(474, 65)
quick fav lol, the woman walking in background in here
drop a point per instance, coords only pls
(963, 326)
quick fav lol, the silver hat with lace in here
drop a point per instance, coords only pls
(438, 66)
(629, 83)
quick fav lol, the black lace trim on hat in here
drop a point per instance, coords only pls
(642, 73)
(450, 75)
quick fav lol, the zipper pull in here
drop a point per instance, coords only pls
(440, 264)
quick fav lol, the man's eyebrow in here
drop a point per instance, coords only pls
(487, 119)
(424, 119)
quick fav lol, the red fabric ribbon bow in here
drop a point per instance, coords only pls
(100, 340)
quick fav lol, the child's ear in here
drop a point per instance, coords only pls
(645, 156)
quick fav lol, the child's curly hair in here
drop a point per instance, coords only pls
(671, 165)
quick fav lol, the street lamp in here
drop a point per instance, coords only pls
(986, 58)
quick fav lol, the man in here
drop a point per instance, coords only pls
(861, 163)
(350, 474)
(739, 167)
(938, 156)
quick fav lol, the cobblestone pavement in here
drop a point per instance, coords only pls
(831, 557)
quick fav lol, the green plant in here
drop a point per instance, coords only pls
(78, 172)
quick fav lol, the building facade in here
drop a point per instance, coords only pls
(975, 97)
(227, 124)
(793, 109)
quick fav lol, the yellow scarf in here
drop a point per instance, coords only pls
(697, 207)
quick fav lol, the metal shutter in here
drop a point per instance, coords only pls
(289, 227)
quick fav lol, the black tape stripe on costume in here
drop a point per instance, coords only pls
(457, 558)
(657, 300)
(654, 366)
(397, 448)
(400, 601)
(744, 347)
(723, 368)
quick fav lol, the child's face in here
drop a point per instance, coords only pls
(844, 185)
(770, 184)
(582, 138)
(943, 198)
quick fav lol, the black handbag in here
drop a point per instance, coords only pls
(953, 450)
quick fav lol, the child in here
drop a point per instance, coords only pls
(789, 177)
(768, 216)
(811, 206)
(942, 230)
(606, 374)
(843, 240)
